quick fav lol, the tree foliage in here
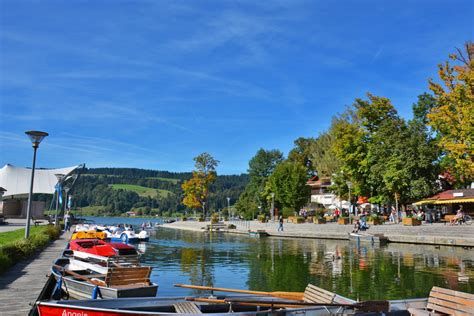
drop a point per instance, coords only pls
(452, 118)
(385, 157)
(288, 182)
(261, 166)
(322, 156)
(196, 189)
(302, 154)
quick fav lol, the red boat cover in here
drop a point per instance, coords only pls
(93, 246)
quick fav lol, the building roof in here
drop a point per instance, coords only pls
(16, 180)
(449, 197)
(316, 182)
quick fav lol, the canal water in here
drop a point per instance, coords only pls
(358, 271)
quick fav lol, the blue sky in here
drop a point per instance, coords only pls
(151, 84)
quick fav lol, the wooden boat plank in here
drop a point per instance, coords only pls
(187, 308)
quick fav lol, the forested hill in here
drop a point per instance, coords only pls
(118, 190)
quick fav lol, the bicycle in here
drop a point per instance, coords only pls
(466, 219)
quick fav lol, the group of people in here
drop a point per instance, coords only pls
(361, 224)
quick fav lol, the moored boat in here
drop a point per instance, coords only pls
(86, 280)
(378, 239)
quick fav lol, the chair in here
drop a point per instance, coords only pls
(444, 301)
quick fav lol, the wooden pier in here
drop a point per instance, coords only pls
(22, 284)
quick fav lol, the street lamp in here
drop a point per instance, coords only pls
(273, 206)
(204, 210)
(349, 185)
(36, 137)
(228, 208)
(59, 189)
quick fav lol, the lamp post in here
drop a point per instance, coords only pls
(273, 206)
(60, 178)
(349, 185)
(228, 208)
(36, 137)
(204, 210)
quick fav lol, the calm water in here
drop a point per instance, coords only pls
(277, 264)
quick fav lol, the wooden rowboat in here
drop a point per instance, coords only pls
(82, 282)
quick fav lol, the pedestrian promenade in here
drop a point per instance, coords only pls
(22, 284)
(434, 234)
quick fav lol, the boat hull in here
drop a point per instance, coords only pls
(372, 239)
(163, 306)
(83, 290)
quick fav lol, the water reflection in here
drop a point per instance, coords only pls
(271, 264)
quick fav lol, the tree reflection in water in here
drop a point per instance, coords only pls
(275, 264)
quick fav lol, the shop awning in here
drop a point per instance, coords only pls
(423, 202)
(452, 201)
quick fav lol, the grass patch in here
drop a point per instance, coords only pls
(172, 180)
(142, 191)
(12, 236)
(14, 247)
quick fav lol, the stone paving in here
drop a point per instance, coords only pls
(17, 223)
(437, 233)
(22, 284)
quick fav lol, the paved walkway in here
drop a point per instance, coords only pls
(22, 284)
(436, 234)
(17, 223)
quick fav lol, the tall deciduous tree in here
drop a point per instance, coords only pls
(288, 182)
(385, 157)
(302, 154)
(322, 155)
(196, 189)
(452, 118)
(261, 166)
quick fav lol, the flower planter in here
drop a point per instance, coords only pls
(343, 221)
(410, 221)
(375, 221)
(319, 220)
(329, 218)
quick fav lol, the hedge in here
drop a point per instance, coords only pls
(22, 248)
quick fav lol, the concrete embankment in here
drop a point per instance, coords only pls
(431, 234)
(22, 284)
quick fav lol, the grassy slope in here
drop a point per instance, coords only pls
(174, 181)
(142, 191)
(18, 234)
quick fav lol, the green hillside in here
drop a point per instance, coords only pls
(142, 191)
(172, 180)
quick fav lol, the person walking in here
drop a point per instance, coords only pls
(67, 221)
(280, 223)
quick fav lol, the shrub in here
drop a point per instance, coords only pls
(22, 248)
(5, 262)
(231, 226)
(215, 218)
(299, 220)
(184, 218)
(39, 240)
(262, 218)
(53, 232)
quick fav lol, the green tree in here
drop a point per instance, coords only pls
(196, 189)
(386, 158)
(302, 154)
(452, 118)
(261, 167)
(322, 155)
(288, 182)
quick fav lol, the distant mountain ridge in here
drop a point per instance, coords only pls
(113, 191)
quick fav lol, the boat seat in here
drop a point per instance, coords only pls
(443, 301)
(314, 294)
(118, 276)
(187, 308)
